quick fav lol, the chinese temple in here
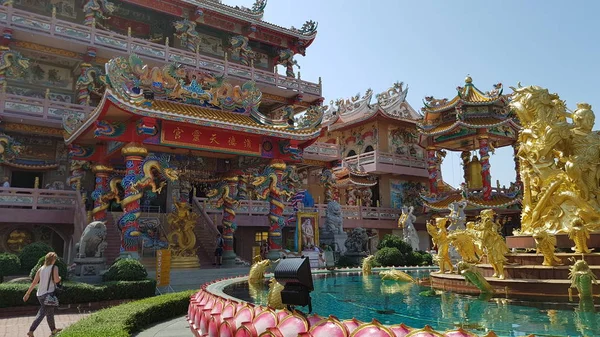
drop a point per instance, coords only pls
(474, 123)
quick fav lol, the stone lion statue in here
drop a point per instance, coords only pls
(93, 240)
(333, 218)
(357, 241)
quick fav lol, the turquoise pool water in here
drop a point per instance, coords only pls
(352, 295)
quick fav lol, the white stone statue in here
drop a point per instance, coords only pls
(308, 235)
(409, 233)
(457, 217)
(93, 240)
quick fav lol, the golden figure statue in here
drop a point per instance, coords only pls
(396, 275)
(559, 165)
(274, 298)
(546, 245)
(439, 236)
(367, 265)
(580, 234)
(493, 243)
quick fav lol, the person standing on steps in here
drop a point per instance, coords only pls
(219, 250)
(47, 277)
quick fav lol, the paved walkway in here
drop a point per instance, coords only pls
(182, 279)
(19, 326)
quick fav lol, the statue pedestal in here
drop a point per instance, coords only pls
(313, 258)
(89, 269)
(356, 258)
(229, 258)
(182, 262)
(334, 240)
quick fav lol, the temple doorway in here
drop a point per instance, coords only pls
(26, 179)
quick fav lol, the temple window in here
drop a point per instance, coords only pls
(260, 237)
(351, 153)
(369, 149)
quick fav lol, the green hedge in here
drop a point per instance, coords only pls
(11, 294)
(127, 319)
(60, 264)
(31, 254)
(9, 265)
(126, 270)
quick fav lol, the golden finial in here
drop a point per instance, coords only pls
(468, 80)
(128, 31)
(47, 93)
(167, 41)
(36, 184)
(53, 11)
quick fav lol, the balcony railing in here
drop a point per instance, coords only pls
(322, 151)
(38, 199)
(376, 157)
(43, 111)
(50, 26)
(254, 207)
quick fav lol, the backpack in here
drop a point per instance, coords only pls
(220, 243)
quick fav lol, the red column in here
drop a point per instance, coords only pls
(433, 169)
(486, 177)
(102, 176)
(134, 154)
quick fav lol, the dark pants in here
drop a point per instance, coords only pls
(45, 310)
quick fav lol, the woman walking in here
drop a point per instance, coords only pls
(47, 277)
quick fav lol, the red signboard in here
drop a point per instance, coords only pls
(122, 25)
(158, 5)
(210, 139)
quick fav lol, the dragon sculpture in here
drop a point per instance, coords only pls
(328, 182)
(558, 163)
(78, 168)
(130, 77)
(12, 64)
(286, 59)
(242, 187)
(240, 46)
(367, 265)
(9, 148)
(104, 197)
(269, 186)
(134, 185)
(473, 275)
(494, 245)
(182, 239)
(257, 271)
(582, 278)
(186, 31)
(396, 275)
(308, 28)
(87, 82)
(96, 11)
(274, 297)
(224, 197)
(546, 245)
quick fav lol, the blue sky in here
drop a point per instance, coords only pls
(432, 45)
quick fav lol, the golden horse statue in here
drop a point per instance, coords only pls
(367, 265)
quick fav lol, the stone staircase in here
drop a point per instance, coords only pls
(206, 233)
(113, 238)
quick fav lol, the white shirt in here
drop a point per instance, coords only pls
(45, 275)
(6, 184)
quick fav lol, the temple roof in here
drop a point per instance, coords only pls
(353, 176)
(390, 104)
(467, 95)
(500, 199)
(254, 16)
(181, 95)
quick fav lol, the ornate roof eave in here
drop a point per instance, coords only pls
(468, 95)
(111, 98)
(388, 105)
(442, 205)
(434, 131)
(30, 166)
(252, 18)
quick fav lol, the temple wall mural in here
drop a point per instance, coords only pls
(403, 141)
(359, 138)
(406, 193)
